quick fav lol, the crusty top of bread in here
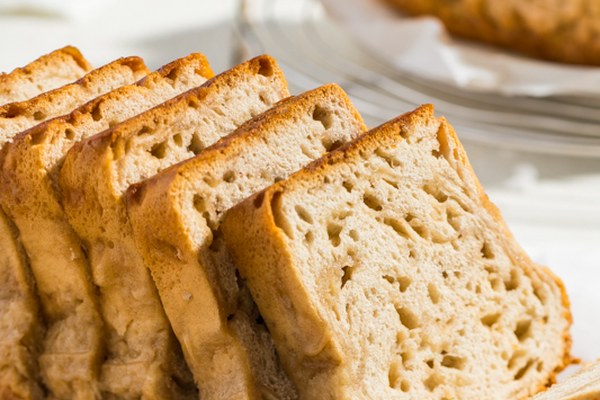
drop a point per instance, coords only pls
(176, 215)
(48, 72)
(383, 271)
(19, 116)
(583, 385)
(31, 163)
(172, 132)
(564, 31)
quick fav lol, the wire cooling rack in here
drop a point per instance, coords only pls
(312, 49)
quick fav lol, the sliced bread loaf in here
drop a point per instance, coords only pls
(384, 272)
(98, 170)
(70, 355)
(19, 116)
(48, 72)
(583, 385)
(176, 217)
(142, 358)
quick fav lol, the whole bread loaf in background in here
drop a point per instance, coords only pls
(142, 357)
(556, 30)
(20, 322)
(384, 272)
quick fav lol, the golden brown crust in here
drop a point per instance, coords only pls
(45, 73)
(566, 32)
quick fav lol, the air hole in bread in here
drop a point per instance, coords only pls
(195, 145)
(193, 103)
(265, 67)
(454, 362)
(419, 227)
(144, 130)
(306, 151)
(229, 176)
(263, 99)
(496, 283)
(159, 150)
(433, 293)
(36, 137)
(434, 191)
(403, 283)
(429, 363)
(407, 318)
(348, 186)
(434, 380)
(172, 75)
(303, 214)
(513, 281)
(279, 217)
(69, 134)
(96, 112)
(333, 233)
(523, 370)
(331, 145)
(323, 116)
(486, 251)
(210, 181)
(309, 237)
(540, 366)
(372, 202)
(39, 116)
(178, 139)
(347, 275)
(490, 319)
(523, 329)
(200, 205)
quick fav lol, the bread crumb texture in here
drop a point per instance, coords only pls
(408, 279)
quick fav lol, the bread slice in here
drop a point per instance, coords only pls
(384, 272)
(98, 170)
(583, 385)
(20, 328)
(70, 350)
(48, 72)
(142, 358)
(176, 216)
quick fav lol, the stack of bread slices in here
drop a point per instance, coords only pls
(176, 234)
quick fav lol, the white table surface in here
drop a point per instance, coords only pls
(551, 203)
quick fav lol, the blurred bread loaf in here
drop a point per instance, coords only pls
(555, 30)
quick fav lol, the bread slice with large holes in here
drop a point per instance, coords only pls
(48, 72)
(98, 170)
(583, 385)
(142, 356)
(384, 272)
(176, 217)
(72, 341)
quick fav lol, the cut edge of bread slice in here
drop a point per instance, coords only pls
(18, 116)
(48, 72)
(72, 344)
(324, 306)
(152, 364)
(175, 216)
(98, 170)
